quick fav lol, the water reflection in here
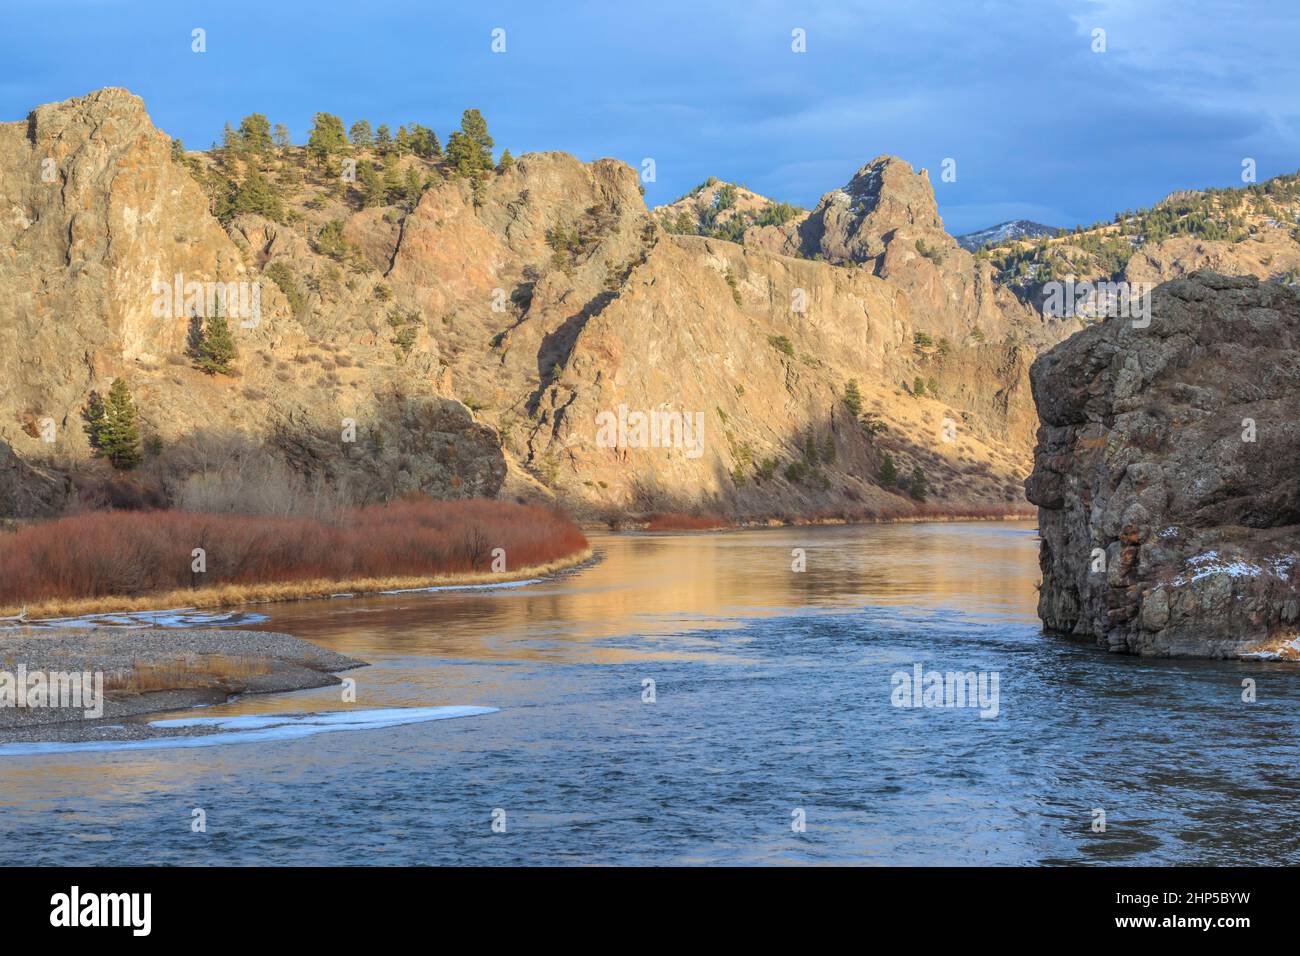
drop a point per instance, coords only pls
(773, 692)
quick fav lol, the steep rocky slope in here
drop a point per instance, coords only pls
(93, 211)
(478, 334)
(1167, 474)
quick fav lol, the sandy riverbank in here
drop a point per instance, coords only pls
(151, 671)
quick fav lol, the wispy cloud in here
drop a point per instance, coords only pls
(1012, 91)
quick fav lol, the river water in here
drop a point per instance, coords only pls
(772, 736)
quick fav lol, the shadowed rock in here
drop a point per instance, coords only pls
(1167, 474)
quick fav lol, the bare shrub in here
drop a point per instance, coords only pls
(99, 554)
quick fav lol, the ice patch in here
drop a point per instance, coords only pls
(189, 617)
(1209, 563)
(256, 728)
(173, 618)
(1169, 533)
(464, 587)
(1287, 651)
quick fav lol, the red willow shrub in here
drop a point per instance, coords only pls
(676, 521)
(98, 554)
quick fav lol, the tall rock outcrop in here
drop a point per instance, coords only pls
(94, 210)
(1167, 474)
(544, 298)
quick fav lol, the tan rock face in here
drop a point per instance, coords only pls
(1269, 253)
(95, 213)
(1165, 474)
(548, 299)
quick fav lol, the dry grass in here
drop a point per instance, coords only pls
(193, 671)
(234, 595)
(119, 561)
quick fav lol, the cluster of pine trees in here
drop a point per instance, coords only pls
(253, 165)
(1099, 251)
(707, 220)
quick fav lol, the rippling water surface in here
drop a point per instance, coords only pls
(772, 695)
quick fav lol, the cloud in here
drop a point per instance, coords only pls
(1011, 90)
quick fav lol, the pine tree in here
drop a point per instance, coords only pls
(120, 432)
(383, 139)
(853, 398)
(257, 195)
(402, 141)
(917, 486)
(507, 162)
(255, 134)
(412, 186)
(360, 134)
(281, 137)
(93, 417)
(888, 472)
(469, 148)
(372, 187)
(215, 351)
(327, 138)
(392, 184)
(425, 142)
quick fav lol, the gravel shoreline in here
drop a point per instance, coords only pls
(264, 662)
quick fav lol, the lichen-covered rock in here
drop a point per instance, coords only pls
(1167, 474)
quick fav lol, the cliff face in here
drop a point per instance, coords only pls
(1167, 474)
(755, 346)
(94, 211)
(547, 300)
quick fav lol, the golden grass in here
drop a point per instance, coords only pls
(193, 671)
(233, 595)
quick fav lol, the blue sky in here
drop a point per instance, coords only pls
(1039, 125)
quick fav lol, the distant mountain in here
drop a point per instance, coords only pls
(1005, 232)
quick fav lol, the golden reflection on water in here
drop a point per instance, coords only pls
(676, 597)
(687, 585)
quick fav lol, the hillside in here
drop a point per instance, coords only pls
(477, 323)
(721, 210)
(1253, 230)
(1005, 232)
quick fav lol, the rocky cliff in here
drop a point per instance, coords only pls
(1167, 474)
(478, 335)
(94, 211)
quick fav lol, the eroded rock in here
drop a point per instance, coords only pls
(1167, 474)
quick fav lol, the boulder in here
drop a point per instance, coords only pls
(1167, 474)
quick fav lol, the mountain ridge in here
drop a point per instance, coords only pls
(473, 326)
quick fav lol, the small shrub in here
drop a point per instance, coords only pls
(781, 344)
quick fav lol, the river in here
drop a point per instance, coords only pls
(769, 735)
